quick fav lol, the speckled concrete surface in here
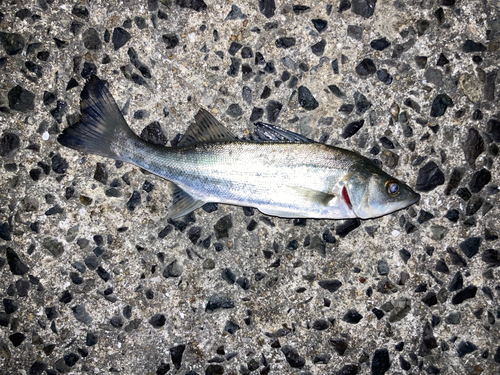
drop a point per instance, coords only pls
(94, 279)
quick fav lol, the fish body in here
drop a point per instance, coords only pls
(276, 171)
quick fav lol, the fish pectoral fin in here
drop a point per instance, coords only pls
(205, 129)
(182, 204)
(314, 195)
(270, 133)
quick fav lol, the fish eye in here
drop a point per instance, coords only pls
(392, 188)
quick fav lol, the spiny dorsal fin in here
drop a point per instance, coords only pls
(182, 204)
(270, 133)
(206, 129)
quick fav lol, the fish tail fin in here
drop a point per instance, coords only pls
(102, 128)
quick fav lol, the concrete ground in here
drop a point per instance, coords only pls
(95, 279)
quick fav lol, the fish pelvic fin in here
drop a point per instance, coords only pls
(102, 128)
(182, 204)
(205, 129)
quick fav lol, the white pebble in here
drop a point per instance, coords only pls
(45, 136)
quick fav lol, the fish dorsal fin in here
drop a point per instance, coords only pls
(183, 203)
(205, 129)
(269, 133)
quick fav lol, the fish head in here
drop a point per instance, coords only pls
(372, 193)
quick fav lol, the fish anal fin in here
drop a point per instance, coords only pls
(205, 129)
(182, 204)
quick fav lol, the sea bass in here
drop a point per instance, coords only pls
(279, 172)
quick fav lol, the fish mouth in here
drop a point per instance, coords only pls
(415, 199)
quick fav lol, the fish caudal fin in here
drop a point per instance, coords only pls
(101, 127)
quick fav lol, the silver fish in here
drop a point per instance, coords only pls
(274, 170)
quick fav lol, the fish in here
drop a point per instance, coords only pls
(279, 172)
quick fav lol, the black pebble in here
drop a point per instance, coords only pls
(470, 246)
(157, 320)
(100, 173)
(222, 227)
(424, 216)
(292, 357)
(210, 207)
(340, 345)
(234, 48)
(352, 128)
(12, 43)
(120, 37)
(352, 316)
(429, 177)
(384, 76)
(479, 180)
(442, 60)
(285, 42)
(196, 5)
(491, 257)
(337, 92)
(173, 269)
(430, 299)
(319, 48)
(456, 283)
(273, 109)
(216, 302)
(346, 227)
(21, 99)
(91, 39)
(440, 104)
(306, 99)
(234, 67)
(493, 128)
(9, 306)
(134, 201)
(361, 102)
(330, 285)
(473, 146)
(176, 355)
(464, 294)
(16, 265)
(380, 362)
(378, 313)
(464, 193)
(421, 61)
(465, 348)
(473, 205)
(383, 267)
(471, 46)
(441, 266)
(154, 134)
(380, 44)
(257, 114)
(319, 24)
(405, 255)
(103, 274)
(320, 324)
(299, 9)
(366, 68)
(231, 327)
(363, 8)
(355, 32)
(335, 66)
(17, 339)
